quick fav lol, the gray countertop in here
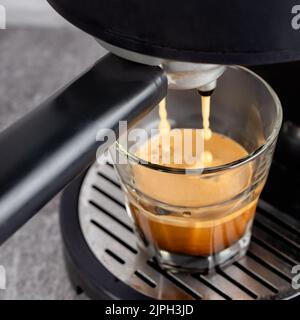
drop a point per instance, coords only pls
(34, 62)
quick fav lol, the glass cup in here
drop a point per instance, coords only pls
(197, 219)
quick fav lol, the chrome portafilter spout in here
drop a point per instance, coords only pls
(181, 75)
(200, 76)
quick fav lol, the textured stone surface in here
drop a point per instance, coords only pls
(31, 13)
(33, 64)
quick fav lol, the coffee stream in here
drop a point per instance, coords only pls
(208, 156)
(205, 158)
(205, 114)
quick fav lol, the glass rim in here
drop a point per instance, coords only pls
(227, 166)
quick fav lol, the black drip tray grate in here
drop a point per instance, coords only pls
(265, 273)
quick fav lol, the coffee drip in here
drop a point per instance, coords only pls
(206, 157)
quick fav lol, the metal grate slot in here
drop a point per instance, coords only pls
(280, 217)
(110, 173)
(275, 241)
(199, 286)
(278, 221)
(271, 248)
(247, 290)
(111, 188)
(115, 237)
(108, 196)
(108, 204)
(144, 278)
(109, 179)
(110, 164)
(265, 272)
(173, 278)
(101, 209)
(243, 275)
(227, 286)
(262, 274)
(285, 275)
(212, 287)
(258, 278)
(115, 256)
(278, 231)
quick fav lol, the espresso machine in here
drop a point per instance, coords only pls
(155, 46)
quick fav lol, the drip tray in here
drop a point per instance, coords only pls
(104, 261)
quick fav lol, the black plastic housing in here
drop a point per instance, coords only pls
(214, 31)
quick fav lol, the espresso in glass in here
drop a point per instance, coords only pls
(195, 211)
(194, 230)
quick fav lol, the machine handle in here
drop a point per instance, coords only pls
(44, 151)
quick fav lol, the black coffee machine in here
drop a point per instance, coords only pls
(155, 46)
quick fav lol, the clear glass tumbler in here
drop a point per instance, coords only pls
(196, 219)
